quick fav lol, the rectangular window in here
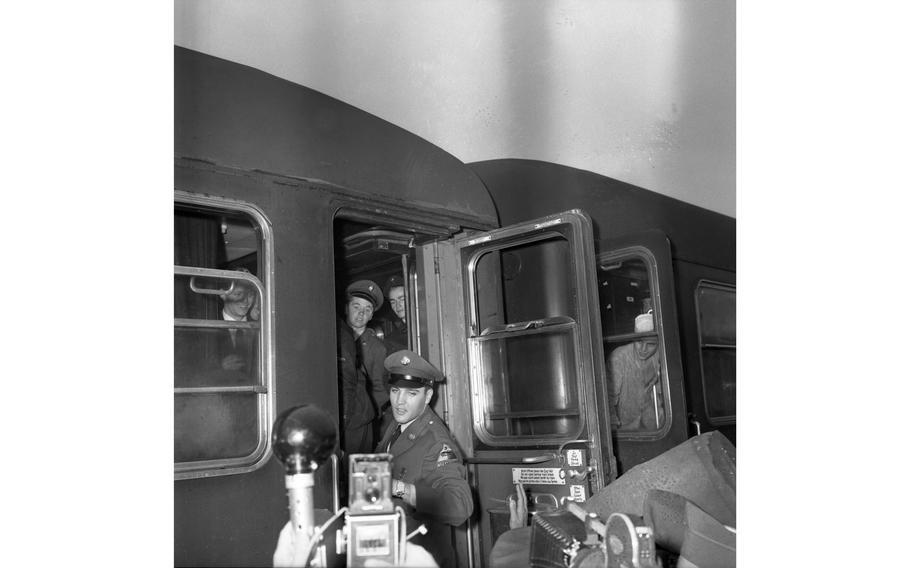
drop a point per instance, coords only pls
(633, 345)
(525, 341)
(223, 401)
(511, 361)
(715, 304)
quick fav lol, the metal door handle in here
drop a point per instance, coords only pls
(524, 460)
(696, 423)
(210, 291)
(336, 500)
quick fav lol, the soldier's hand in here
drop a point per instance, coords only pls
(405, 491)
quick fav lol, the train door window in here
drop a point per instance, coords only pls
(223, 395)
(633, 344)
(525, 306)
(715, 304)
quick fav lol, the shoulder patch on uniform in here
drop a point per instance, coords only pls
(446, 455)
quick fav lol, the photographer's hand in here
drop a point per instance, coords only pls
(291, 550)
(518, 507)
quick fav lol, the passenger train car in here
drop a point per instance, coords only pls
(583, 325)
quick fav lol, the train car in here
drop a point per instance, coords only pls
(283, 196)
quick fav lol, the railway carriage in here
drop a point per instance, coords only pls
(546, 295)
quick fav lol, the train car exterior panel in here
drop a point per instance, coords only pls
(522, 189)
(634, 448)
(251, 507)
(235, 116)
(691, 279)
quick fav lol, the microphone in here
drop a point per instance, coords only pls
(303, 438)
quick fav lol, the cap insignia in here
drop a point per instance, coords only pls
(405, 360)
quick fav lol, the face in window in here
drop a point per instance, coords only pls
(408, 402)
(396, 300)
(358, 313)
(240, 301)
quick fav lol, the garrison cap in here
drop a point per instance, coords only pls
(368, 290)
(408, 369)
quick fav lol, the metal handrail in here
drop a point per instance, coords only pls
(509, 460)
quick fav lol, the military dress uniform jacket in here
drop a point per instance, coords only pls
(426, 456)
(356, 406)
(371, 352)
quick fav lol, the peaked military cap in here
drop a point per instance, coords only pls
(408, 369)
(368, 290)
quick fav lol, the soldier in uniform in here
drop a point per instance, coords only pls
(427, 473)
(394, 326)
(360, 366)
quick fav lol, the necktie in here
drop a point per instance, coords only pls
(394, 437)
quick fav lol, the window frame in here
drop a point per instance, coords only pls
(475, 338)
(265, 389)
(644, 254)
(727, 287)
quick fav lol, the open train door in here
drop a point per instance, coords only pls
(520, 343)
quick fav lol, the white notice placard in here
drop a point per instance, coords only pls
(574, 458)
(539, 475)
(577, 493)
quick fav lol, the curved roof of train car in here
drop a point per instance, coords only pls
(525, 189)
(236, 116)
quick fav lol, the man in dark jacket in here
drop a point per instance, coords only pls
(238, 349)
(427, 473)
(394, 326)
(360, 366)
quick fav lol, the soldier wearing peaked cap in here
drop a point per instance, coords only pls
(368, 290)
(427, 472)
(360, 366)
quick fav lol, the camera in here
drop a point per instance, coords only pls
(373, 526)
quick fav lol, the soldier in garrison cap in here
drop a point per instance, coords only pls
(360, 366)
(427, 473)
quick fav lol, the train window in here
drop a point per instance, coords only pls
(223, 398)
(633, 345)
(524, 345)
(715, 305)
